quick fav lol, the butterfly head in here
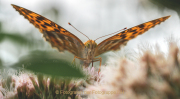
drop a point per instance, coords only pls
(90, 44)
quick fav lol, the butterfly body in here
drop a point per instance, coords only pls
(88, 52)
(63, 40)
(89, 48)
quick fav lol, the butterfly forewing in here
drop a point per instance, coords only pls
(55, 34)
(114, 42)
(64, 40)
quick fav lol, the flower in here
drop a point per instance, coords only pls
(152, 76)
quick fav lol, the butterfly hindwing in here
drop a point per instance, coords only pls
(114, 42)
(53, 33)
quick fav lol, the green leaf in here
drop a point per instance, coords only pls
(41, 62)
(14, 37)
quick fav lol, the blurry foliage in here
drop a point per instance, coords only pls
(171, 4)
(41, 62)
(0, 26)
(0, 63)
(12, 36)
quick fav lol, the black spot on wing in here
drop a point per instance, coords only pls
(130, 30)
(133, 30)
(26, 11)
(52, 23)
(46, 24)
(40, 18)
(56, 30)
(155, 21)
(26, 17)
(141, 26)
(59, 27)
(146, 29)
(43, 26)
(123, 36)
(31, 21)
(38, 21)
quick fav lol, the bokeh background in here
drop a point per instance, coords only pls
(95, 18)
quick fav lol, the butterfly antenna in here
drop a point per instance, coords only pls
(111, 33)
(78, 30)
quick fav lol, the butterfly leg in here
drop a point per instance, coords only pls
(98, 59)
(74, 59)
(78, 58)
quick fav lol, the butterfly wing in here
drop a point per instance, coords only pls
(53, 33)
(114, 42)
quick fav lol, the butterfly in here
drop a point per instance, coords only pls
(87, 52)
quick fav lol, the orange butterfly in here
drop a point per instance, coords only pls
(64, 40)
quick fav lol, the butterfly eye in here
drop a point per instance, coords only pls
(88, 46)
